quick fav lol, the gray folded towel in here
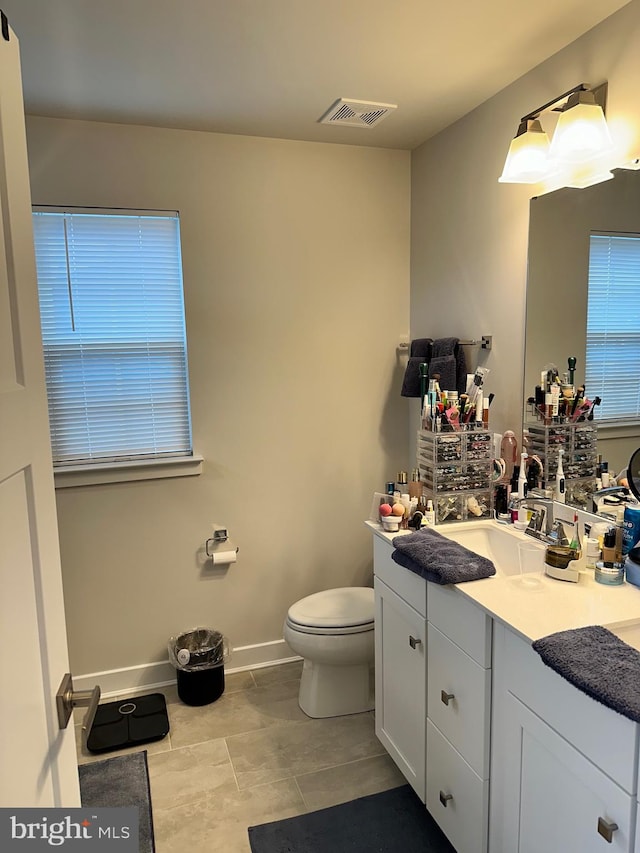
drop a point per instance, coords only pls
(419, 353)
(448, 360)
(438, 559)
(598, 663)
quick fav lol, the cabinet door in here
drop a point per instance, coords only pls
(400, 638)
(558, 800)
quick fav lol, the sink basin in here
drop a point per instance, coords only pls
(498, 543)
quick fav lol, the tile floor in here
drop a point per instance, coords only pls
(252, 757)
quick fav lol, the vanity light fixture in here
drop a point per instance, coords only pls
(528, 158)
(580, 141)
(581, 133)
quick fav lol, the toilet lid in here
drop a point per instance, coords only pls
(334, 608)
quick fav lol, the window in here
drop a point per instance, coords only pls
(112, 314)
(613, 325)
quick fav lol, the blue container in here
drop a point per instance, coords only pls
(630, 529)
(632, 572)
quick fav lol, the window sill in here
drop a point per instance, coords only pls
(626, 429)
(125, 472)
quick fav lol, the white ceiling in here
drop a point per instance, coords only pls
(273, 67)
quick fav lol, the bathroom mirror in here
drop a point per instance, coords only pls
(557, 280)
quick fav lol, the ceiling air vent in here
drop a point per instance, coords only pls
(357, 113)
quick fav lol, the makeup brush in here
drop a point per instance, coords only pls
(579, 395)
(596, 402)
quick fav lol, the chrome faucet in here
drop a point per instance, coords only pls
(541, 521)
(542, 525)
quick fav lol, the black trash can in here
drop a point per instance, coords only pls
(199, 657)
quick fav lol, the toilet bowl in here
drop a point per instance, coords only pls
(333, 632)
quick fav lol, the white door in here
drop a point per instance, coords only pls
(37, 758)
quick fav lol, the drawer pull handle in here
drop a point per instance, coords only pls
(414, 642)
(446, 697)
(444, 798)
(607, 829)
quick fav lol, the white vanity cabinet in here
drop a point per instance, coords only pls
(433, 693)
(563, 766)
(401, 651)
(458, 717)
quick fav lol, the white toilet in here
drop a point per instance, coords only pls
(333, 632)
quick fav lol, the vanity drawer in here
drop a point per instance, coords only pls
(609, 739)
(464, 817)
(459, 700)
(405, 583)
(462, 621)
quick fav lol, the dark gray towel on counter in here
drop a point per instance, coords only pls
(438, 559)
(598, 663)
(419, 353)
(448, 360)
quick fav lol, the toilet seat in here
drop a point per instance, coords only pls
(349, 610)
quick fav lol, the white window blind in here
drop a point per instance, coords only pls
(112, 314)
(613, 325)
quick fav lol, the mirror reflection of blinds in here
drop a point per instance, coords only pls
(112, 316)
(613, 325)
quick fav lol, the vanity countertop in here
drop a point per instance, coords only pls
(550, 606)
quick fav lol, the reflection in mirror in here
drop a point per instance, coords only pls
(633, 474)
(561, 226)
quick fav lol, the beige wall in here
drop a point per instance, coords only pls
(469, 233)
(296, 273)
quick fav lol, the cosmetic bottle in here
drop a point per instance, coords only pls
(430, 515)
(501, 503)
(405, 500)
(559, 494)
(508, 451)
(401, 481)
(619, 546)
(415, 486)
(485, 412)
(522, 477)
(592, 552)
(479, 412)
(607, 571)
(575, 539)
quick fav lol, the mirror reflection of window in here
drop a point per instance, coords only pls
(613, 325)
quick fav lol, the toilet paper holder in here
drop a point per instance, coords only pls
(220, 536)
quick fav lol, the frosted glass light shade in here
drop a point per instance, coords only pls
(528, 158)
(581, 134)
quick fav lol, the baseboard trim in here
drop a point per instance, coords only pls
(147, 677)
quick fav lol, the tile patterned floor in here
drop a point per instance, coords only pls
(252, 757)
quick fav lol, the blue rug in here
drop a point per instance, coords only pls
(393, 821)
